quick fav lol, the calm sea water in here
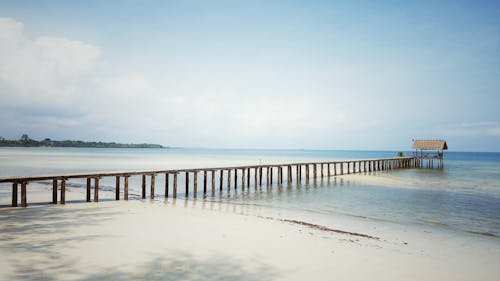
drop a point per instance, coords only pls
(463, 197)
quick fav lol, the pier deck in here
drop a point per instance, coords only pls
(287, 171)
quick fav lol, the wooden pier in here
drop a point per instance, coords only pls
(237, 176)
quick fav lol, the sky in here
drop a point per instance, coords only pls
(253, 74)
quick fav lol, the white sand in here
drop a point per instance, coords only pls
(197, 240)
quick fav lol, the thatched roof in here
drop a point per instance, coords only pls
(429, 144)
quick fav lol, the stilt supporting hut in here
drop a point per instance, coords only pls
(428, 151)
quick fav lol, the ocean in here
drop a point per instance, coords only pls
(464, 197)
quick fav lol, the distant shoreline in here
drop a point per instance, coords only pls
(27, 142)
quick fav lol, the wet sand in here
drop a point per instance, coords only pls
(203, 240)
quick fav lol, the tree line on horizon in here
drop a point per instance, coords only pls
(26, 141)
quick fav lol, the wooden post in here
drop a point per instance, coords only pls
(260, 175)
(166, 185)
(314, 170)
(307, 172)
(243, 179)
(143, 186)
(88, 189)
(297, 173)
(213, 181)
(96, 189)
(322, 174)
(228, 179)
(334, 168)
(248, 177)
(278, 175)
(281, 174)
(54, 191)
(205, 182)
(152, 195)
(195, 183)
(175, 186)
(187, 184)
(328, 173)
(221, 179)
(125, 188)
(272, 177)
(255, 177)
(117, 192)
(289, 174)
(23, 195)
(268, 175)
(63, 191)
(14, 194)
(341, 168)
(235, 178)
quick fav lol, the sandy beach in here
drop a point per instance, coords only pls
(207, 240)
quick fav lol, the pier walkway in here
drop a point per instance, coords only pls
(212, 177)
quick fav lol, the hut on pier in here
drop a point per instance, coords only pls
(426, 151)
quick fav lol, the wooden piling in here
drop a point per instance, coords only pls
(248, 177)
(143, 186)
(166, 185)
(314, 171)
(213, 182)
(125, 188)
(235, 178)
(204, 182)
(289, 174)
(243, 179)
(117, 188)
(88, 189)
(24, 202)
(268, 176)
(14, 194)
(281, 174)
(228, 180)
(255, 177)
(195, 183)
(260, 176)
(152, 195)
(187, 184)
(221, 178)
(174, 195)
(63, 191)
(54, 191)
(96, 189)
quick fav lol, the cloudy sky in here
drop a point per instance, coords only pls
(253, 74)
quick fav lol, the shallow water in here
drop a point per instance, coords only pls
(463, 197)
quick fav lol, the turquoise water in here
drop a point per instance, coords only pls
(463, 197)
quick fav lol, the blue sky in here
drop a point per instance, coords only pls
(255, 74)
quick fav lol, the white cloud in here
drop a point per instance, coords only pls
(44, 70)
(479, 124)
(493, 131)
(473, 129)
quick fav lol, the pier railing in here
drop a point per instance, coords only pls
(250, 175)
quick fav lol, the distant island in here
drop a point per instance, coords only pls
(26, 141)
